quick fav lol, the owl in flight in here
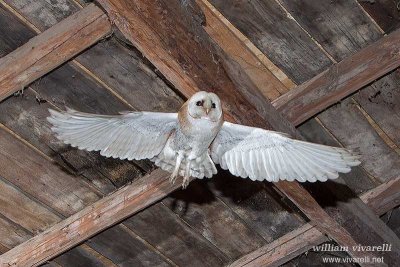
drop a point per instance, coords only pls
(189, 143)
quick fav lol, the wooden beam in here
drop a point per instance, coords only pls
(341, 79)
(148, 190)
(381, 199)
(91, 220)
(256, 65)
(51, 48)
(41, 247)
(190, 60)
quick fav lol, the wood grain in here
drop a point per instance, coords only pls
(380, 199)
(385, 12)
(278, 36)
(52, 48)
(227, 38)
(79, 91)
(126, 18)
(94, 218)
(340, 80)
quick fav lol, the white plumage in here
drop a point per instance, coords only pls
(189, 142)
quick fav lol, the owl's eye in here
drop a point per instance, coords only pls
(199, 103)
(213, 105)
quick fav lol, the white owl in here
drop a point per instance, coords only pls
(189, 143)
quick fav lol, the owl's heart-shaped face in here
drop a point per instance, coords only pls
(204, 105)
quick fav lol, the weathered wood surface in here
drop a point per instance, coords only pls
(357, 208)
(228, 38)
(52, 48)
(126, 18)
(125, 73)
(126, 249)
(280, 38)
(381, 101)
(341, 79)
(23, 210)
(80, 92)
(354, 211)
(178, 239)
(89, 221)
(353, 30)
(34, 174)
(284, 248)
(385, 12)
(118, 205)
(381, 199)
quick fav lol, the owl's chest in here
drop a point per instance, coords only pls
(197, 136)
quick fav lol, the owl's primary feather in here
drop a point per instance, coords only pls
(267, 155)
(135, 135)
(190, 142)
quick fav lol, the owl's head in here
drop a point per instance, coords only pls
(204, 105)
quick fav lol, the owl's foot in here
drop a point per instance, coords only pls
(175, 173)
(185, 182)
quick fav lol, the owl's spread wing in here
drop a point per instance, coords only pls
(133, 135)
(266, 155)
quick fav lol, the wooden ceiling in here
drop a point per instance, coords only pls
(326, 66)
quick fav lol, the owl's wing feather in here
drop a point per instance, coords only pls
(267, 155)
(131, 135)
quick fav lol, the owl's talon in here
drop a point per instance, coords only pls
(185, 182)
(172, 178)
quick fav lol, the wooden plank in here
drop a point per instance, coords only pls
(341, 28)
(18, 234)
(340, 80)
(31, 172)
(225, 36)
(384, 197)
(380, 199)
(126, 72)
(86, 95)
(356, 209)
(125, 249)
(23, 211)
(76, 91)
(280, 38)
(381, 101)
(125, 17)
(94, 218)
(113, 208)
(384, 12)
(52, 48)
(350, 31)
(200, 207)
(283, 249)
(347, 123)
(178, 238)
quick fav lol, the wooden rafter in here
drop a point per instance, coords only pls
(150, 189)
(52, 48)
(341, 79)
(381, 199)
(166, 190)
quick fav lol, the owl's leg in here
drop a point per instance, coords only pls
(174, 174)
(185, 182)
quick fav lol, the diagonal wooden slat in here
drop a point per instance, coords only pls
(381, 199)
(51, 48)
(166, 190)
(341, 79)
(197, 60)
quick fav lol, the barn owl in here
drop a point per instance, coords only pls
(189, 143)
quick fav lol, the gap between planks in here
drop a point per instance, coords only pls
(74, 61)
(384, 136)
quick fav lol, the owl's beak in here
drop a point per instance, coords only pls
(207, 105)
